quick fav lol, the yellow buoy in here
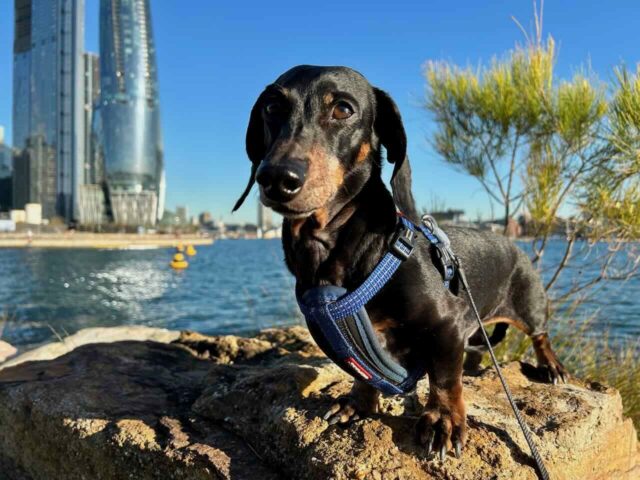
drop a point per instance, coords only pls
(180, 248)
(191, 251)
(179, 262)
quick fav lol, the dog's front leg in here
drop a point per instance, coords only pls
(362, 400)
(442, 426)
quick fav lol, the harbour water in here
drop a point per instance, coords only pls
(233, 286)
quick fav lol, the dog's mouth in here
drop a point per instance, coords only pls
(286, 211)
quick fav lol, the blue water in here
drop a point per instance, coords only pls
(233, 286)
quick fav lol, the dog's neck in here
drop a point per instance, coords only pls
(341, 245)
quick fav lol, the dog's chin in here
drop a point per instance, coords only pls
(297, 215)
(286, 212)
(293, 214)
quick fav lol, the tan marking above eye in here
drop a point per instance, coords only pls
(342, 111)
(328, 98)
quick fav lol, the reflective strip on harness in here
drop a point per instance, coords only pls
(359, 369)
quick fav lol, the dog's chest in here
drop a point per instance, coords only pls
(390, 335)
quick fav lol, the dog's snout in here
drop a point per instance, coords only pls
(283, 181)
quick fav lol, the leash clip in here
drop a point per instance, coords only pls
(430, 224)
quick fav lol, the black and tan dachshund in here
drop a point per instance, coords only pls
(315, 141)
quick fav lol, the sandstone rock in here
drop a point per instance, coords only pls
(6, 350)
(229, 407)
(113, 411)
(92, 335)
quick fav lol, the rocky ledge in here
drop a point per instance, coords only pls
(182, 405)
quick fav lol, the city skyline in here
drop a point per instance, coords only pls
(87, 144)
(215, 59)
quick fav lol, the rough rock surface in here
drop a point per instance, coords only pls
(88, 336)
(238, 408)
(6, 350)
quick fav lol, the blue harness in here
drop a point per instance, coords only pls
(338, 320)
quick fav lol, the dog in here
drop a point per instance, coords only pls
(315, 139)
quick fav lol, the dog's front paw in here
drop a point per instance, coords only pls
(442, 431)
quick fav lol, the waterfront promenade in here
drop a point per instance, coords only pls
(99, 240)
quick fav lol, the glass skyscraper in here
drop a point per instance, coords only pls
(6, 166)
(126, 122)
(91, 63)
(48, 133)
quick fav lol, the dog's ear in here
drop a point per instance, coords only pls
(255, 146)
(390, 130)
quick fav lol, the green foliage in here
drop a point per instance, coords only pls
(544, 183)
(484, 116)
(624, 112)
(579, 108)
(543, 144)
(611, 200)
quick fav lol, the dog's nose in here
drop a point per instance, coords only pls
(282, 182)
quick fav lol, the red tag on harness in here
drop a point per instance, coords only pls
(359, 369)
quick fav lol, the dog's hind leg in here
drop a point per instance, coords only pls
(548, 362)
(529, 301)
(476, 348)
(474, 353)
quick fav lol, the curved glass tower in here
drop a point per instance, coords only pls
(128, 139)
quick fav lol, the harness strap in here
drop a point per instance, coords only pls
(400, 249)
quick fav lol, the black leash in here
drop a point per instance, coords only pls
(542, 471)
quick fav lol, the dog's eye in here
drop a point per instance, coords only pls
(342, 111)
(273, 109)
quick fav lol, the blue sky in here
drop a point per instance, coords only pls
(214, 58)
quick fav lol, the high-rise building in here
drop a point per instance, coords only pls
(34, 175)
(182, 215)
(91, 77)
(6, 158)
(48, 135)
(205, 219)
(93, 194)
(127, 119)
(91, 198)
(6, 163)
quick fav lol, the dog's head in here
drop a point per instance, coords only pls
(314, 139)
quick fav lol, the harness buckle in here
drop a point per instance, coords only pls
(402, 244)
